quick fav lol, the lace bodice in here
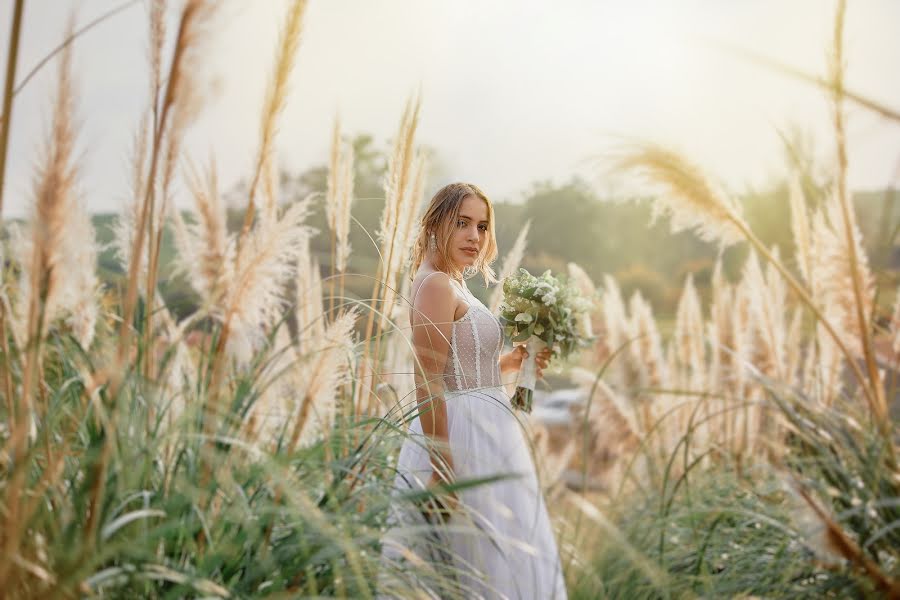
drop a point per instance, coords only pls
(475, 343)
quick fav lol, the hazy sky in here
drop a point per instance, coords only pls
(513, 91)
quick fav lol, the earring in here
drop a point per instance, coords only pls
(432, 243)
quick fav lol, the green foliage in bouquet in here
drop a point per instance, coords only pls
(547, 308)
(544, 312)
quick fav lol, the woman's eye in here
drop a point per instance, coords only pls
(461, 223)
(482, 227)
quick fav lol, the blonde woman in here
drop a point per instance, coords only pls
(495, 538)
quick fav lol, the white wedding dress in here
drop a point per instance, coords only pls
(500, 544)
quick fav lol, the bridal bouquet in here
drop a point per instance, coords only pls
(544, 313)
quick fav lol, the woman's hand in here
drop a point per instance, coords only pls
(512, 360)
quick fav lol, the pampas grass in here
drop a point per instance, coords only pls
(194, 16)
(318, 378)
(273, 106)
(205, 248)
(53, 284)
(309, 309)
(338, 200)
(201, 457)
(691, 203)
(686, 195)
(511, 263)
(404, 185)
(256, 297)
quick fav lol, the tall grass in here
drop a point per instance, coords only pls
(763, 460)
(217, 456)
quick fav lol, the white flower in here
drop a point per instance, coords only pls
(549, 298)
(524, 318)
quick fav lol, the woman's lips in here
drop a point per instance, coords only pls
(470, 252)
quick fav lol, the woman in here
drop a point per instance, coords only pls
(495, 538)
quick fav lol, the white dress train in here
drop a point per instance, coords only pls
(501, 544)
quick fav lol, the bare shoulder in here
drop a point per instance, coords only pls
(435, 295)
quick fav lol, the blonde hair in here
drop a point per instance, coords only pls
(440, 218)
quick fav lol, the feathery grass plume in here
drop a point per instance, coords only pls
(744, 335)
(194, 16)
(687, 197)
(802, 234)
(693, 204)
(270, 411)
(396, 183)
(178, 374)
(646, 354)
(647, 350)
(717, 381)
(511, 263)
(580, 278)
(347, 173)
(276, 96)
(185, 110)
(405, 230)
(397, 197)
(615, 334)
(551, 453)
(833, 270)
(254, 300)
(124, 226)
(48, 282)
(339, 196)
(59, 262)
(205, 248)
(310, 309)
(409, 227)
(767, 305)
(689, 338)
(54, 185)
(80, 295)
(740, 416)
(609, 430)
(719, 329)
(318, 377)
(333, 177)
(689, 355)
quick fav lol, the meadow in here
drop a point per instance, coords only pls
(744, 448)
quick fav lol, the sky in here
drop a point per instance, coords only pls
(513, 91)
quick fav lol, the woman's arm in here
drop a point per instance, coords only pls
(432, 320)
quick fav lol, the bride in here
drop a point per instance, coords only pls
(494, 538)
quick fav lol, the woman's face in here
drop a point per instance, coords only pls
(470, 231)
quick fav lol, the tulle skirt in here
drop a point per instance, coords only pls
(500, 543)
